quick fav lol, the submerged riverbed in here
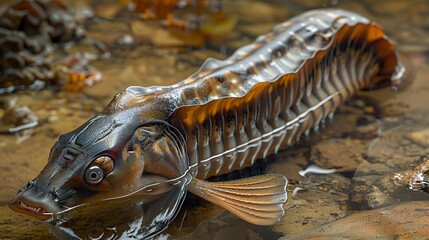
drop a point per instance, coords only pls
(372, 138)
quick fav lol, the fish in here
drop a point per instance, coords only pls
(157, 143)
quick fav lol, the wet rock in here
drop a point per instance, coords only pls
(314, 201)
(125, 40)
(342, 154)
(392, 150)
(17, 118)
(420, 137)
(310, 209)
(28, 31)
(366, 192)
(374, 191)
(404, 221)
(375, 198)
(415, 179)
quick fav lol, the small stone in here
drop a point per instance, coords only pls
(359, 187)
(52, 118)
(374, 198)
(125, 40)
(420, 137)
(18, 118)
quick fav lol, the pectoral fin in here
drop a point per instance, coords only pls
(258, 200)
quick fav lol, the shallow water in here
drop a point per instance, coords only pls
(375, 135)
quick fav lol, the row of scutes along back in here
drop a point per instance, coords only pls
(206, 125)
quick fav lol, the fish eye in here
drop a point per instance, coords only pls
(94, 175)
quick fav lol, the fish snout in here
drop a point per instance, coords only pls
(33, 202)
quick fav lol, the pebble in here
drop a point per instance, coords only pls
(125, 40)
(420, 137)
(375, 198)
(52, 118)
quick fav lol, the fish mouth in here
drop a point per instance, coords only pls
(31, 210)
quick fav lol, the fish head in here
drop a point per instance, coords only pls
(109, 157)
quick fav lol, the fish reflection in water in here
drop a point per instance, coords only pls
(150, 146)
(137, 216)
